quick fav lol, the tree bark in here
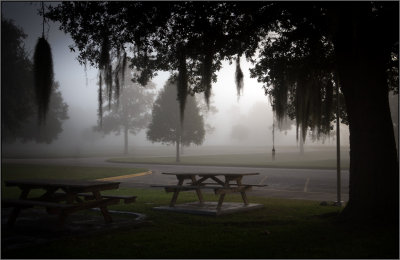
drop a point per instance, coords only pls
(125, 140)
(374, 176)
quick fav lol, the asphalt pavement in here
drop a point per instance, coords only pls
(309, 184)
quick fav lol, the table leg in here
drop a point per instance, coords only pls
(176, 193)
(104, 211)
(15, 212)
(198, 191)
(222, 196)
(220, 201)
(243, 193)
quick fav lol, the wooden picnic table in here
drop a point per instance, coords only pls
(63, 197)
(221, 186)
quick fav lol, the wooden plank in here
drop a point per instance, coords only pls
(176, 193)
(173, 188)
(243, 192)
(233, 184)
(217, 180)
(225, 190)
(200, 181)
(103, 208)
(71, 185)
(32, 203)
(220, 201)
(236, 188)
(15, 212)
(210, 173)
(198, 191)
(126, 198)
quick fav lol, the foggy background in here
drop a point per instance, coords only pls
(79, 91)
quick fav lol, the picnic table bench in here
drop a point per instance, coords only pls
(75, 195)
(220, 186)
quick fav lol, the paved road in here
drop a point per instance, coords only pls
(309, 184)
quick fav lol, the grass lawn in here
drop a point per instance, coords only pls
(310, 160)
(282, 229)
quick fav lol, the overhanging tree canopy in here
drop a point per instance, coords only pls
(318, 45)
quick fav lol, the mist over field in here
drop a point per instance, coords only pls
(240, 125)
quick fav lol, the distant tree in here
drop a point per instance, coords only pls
(47, 131)
(239, 132)
(16, 80)
(165, 126)
(19, 114)
(130, 113)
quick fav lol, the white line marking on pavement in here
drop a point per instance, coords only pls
(306, 184)
(263, 179)
(125, 176)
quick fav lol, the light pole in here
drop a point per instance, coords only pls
(339, 201)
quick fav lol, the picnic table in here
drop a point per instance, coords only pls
(63, 197)
(221, 183)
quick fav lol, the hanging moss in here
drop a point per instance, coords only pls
(106, 67)
(182, 82)
(100, 97)
(117, 88)
(124, 63)
(280, 98)
(313, 104)
(112, 78)
(207, 75)
(108, 81)
(43, 76)
(104, 59)
(302, 107)
(238, 77)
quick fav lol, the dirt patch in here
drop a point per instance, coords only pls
(35, 226)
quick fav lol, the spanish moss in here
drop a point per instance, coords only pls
(104, 60)
(280, 99)
(43, 76)
(124, 63)
(238, 77)
(313, 105)
(86, 76)
(108, 81)
(120, 71)
(182, 82)
(106, 67)
(117, 89)
(100, 97)
(207, 75)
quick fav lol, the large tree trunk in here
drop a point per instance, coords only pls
(374, 176)
(125, 140)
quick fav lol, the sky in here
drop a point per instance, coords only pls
(82, 98)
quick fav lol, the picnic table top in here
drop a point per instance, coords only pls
(76, 184)
(211, 174)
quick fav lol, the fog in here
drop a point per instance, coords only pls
(79, 91)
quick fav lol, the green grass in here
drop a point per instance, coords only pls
(310, 160)
(282, 229)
